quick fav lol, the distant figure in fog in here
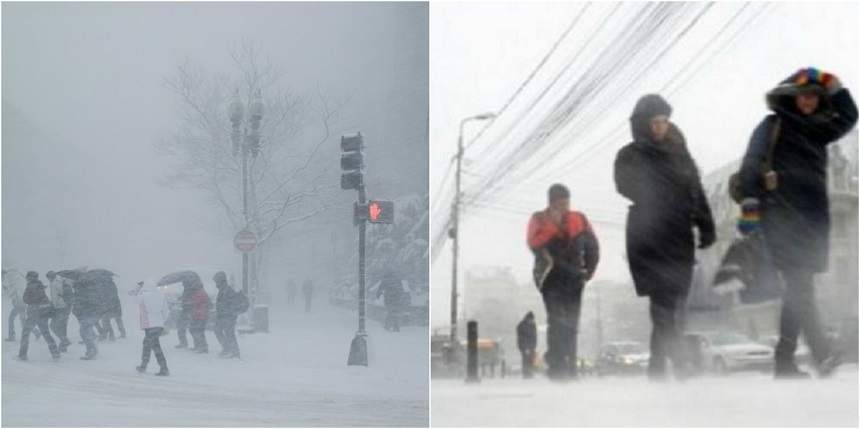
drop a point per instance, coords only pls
(199, 304)
(113, 311)
(391, 288)
(308, 292)
(527, 343)
(13, 288)
(292, 291)
(657, 173)
(38, 313)
(62, 296)
(153, 312)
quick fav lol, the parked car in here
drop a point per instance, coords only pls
(622, 357)
(723, 352)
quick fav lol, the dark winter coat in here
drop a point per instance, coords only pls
(88, 299)
(662, 181)
(113, 306)
(796, 216)
(526, 334)
(34, 293)
(227, 302)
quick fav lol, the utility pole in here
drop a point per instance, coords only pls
(454, 232)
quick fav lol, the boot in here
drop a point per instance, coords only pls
(789, 371)
(202, 350)
(141, 368)
(11, 337)
(163, 371)
(224, 354)
(829, 364)
(181, 346)
(90, 355)
(22, 358)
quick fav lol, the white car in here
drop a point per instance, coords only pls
(722, 352)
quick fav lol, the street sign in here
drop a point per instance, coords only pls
(380, 211)
(245, 241)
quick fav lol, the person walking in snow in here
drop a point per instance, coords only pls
(62, 296)
(308, 293)
(527, 343)
(292, 291)
(789, 202)
(13, 284)
(391, 289)
(566, 255)
(658, 175)
(228, 305)
(153, 312)
(199, 304)
(38, 313)
(113, 311)
(88, 309)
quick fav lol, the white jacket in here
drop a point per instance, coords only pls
(13, 287)
(153, 307)
(55, 294)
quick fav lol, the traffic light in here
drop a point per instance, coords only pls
(351, 162)
(380, 211)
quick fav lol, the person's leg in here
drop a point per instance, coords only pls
(661, 320)
(159, 353)
(800, 313)
(147, 349)
(182, 330)
(16, 312)
(120, 326)
(88, 334)
(28, 325)
(63, 328)
(43, 319)
(555, 353)
(574, 305)
(231, 335)
(220, 322)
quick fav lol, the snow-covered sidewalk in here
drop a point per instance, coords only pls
(294, 376)
(742, 399)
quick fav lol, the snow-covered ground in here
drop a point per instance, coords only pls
(742, 399)
(294, 376)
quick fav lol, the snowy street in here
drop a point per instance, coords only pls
(742, 399)
(294, 376)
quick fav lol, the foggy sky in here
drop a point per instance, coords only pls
(84, 102)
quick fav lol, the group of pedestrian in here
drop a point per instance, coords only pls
(194, 311)
(782, 191)
(45, 309)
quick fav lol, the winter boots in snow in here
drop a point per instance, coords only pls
(163, 371)
(789, 371)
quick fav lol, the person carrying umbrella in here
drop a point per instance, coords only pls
(88, 309)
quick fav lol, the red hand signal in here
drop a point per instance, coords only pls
(374, 211)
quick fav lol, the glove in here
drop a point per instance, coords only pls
(706, 239)
(750, 220)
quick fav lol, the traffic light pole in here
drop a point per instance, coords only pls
(362, 292)
(245, 213)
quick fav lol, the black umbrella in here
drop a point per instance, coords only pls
(180, 276)
(74, 275)
(97, 274)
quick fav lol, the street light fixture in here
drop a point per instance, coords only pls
(455, 217)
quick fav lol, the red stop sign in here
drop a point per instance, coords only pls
(245, 241)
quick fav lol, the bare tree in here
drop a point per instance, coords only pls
(285, 184)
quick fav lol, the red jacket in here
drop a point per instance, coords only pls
(200, 304)
(573, 246)
(542, 230)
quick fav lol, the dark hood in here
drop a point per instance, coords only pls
(646, 108)
(780, 99)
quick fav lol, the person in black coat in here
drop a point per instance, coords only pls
(391, 289)
(88, 309)
(811, 109)
(566, 257)
(113, 311)
(658, 175)
(227, 310)
(527, 342)
(39, 311)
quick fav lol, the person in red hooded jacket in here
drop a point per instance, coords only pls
(199, 303)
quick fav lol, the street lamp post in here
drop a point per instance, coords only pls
(454, 233)
(248, 143)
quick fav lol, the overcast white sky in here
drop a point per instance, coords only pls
(480, 53)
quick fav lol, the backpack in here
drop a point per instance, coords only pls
(242, 303)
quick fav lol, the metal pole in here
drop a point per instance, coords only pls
(245, 209)
(362, 227)
(456, 228)
(472, 352)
